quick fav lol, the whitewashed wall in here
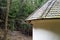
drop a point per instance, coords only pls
(42, 34)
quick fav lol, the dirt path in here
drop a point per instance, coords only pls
(16, 35)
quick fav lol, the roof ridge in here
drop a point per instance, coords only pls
(48, 9)
(43, 11)
(40, 9)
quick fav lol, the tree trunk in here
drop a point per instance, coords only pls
(6, 20)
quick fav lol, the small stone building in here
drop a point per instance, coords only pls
(46, 17)
(46, 21)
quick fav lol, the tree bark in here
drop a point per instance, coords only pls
(6, 20)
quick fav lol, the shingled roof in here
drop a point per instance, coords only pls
(51, 9)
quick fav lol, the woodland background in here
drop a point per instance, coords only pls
(19, 11)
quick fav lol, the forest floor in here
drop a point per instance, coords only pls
(16, 35)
